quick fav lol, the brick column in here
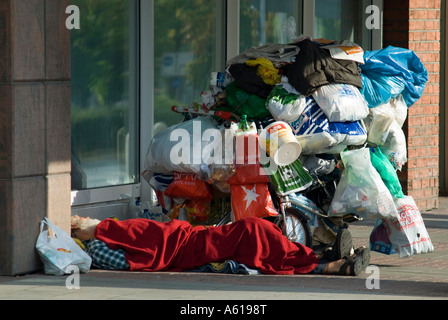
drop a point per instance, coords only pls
(34, 127)
(415, 24)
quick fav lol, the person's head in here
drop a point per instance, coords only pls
(83, 228)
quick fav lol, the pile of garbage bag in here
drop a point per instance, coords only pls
(344, 109)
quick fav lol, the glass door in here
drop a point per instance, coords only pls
(188, 46)
(105, 104)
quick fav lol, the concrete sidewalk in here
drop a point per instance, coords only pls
(419, 277)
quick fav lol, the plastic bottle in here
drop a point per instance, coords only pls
(220, 79)
(244, 125)
(137, 211)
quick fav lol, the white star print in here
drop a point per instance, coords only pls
(251, 195)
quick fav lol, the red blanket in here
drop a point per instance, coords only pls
(176, 245)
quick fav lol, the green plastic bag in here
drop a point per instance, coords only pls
(387, 172)
(240, 102)
(289, 179)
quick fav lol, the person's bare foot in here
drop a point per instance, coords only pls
(334, 267)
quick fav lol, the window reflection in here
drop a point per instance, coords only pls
(262, 21)
(341, 20)
(186, 50)
(104, 91)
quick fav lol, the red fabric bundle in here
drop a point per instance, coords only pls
(176, 245)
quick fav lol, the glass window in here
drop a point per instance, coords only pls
(104, 94)
(187, 48)
(341, 20)
(262, 21)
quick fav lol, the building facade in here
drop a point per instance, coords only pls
(54, 76)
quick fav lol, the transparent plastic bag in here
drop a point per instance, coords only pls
(400, 109)
(380, 120)
(181, 147)
(395, 146)
(59, 251)
(361, 190)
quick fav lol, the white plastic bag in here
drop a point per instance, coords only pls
(285, 106)
(395, 146)
(181, 147)
(341, 102)
(361, 190)
(317, 135)
(400, 109)
(407, 231)
(381, 119)
(60, 251)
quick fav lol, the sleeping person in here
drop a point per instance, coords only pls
(147, 245)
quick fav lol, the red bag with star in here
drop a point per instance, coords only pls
(251, 200)
(247, 162)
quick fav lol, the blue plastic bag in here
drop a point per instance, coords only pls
(391, 71)
(317, 135)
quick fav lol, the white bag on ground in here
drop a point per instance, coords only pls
(60, 251)
(341, 102)
(361, 190)
(407, 231)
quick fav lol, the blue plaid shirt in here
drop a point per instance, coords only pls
(105, 258)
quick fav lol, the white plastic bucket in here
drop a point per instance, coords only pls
(280, 143)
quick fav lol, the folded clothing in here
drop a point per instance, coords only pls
(314, 67)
